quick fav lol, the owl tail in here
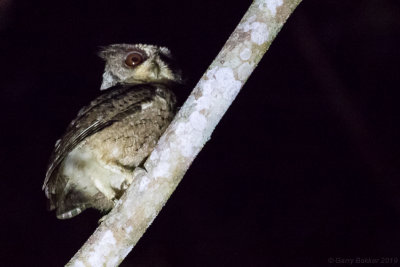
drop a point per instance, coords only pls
(68, 203)
(67, 214)
(67, 208)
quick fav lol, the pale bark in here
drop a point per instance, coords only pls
(185, 137)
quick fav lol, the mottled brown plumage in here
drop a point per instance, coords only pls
(92, 163)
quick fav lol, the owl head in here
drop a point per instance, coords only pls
(138, 64)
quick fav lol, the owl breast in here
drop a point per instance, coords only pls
(95, 172)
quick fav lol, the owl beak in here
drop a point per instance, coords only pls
(155, 70)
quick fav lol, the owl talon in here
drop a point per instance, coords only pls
(102, 219)
(141, 164)
(125, 184)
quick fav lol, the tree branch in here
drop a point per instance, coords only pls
(185, 137)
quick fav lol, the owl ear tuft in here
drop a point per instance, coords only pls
(103, 52)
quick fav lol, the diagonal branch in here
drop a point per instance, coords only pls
(185, 137)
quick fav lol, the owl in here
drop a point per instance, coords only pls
(92, 164)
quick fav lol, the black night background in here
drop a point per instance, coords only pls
(304, 166)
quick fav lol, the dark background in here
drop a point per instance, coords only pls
(304, 166)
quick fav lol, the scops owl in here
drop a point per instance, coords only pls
(92, 164)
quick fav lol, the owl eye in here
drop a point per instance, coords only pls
(134, 59)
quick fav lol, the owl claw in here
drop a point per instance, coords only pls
(125, 184)
(141, 165)
(102, 219)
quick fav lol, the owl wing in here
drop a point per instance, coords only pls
(108, 108)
